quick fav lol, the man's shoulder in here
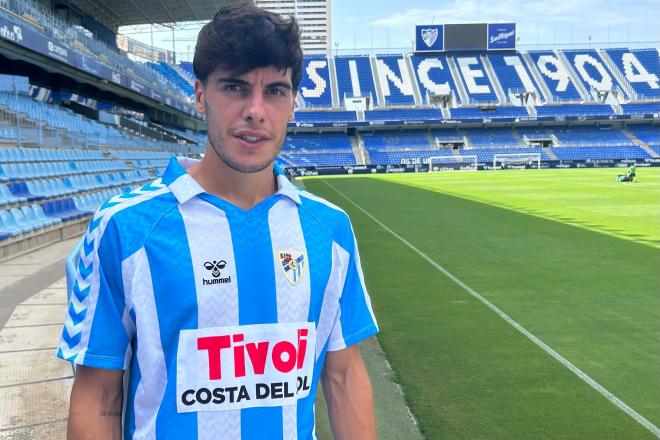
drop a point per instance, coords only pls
(328, 215)
(133, 211)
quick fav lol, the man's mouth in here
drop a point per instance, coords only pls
(252, 139)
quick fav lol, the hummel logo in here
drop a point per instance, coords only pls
(215, 267)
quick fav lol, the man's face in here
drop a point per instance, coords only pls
(246, 115)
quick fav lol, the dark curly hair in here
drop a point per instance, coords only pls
(242, 37)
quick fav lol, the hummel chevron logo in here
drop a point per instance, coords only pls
(67, 356)
(71, 341)
(76, 318)
(84, 271)
(215, 267)
(88, 246)
(80, 294)
(95, 223)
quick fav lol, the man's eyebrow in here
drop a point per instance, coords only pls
(282, 84)
(231, 80)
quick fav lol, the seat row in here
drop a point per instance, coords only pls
(25, 219)
(136, 155)
(42, 154)
(18, 171)
(18, 192)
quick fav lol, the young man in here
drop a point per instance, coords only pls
(222, 291)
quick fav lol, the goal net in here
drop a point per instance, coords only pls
(453, 163)
(517, 160)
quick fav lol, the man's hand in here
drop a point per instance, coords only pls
(96, 404)
(347, 392)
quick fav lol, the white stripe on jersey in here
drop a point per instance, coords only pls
(358, 264)
(217, 304)
(127, 274)
(292, 299)
(330, 307)
(153, 375)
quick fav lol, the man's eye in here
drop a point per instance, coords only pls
(232, 88)
(277, 92)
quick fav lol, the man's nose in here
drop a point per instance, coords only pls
(254, 108)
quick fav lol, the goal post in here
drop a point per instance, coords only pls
(453, 163)
(517, 160)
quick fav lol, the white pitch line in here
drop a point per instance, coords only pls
(561, 359)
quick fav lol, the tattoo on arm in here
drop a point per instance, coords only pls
(110, 413)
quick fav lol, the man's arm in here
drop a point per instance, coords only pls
(347, 392)
(96, 404)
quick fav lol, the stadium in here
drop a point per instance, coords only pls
(514, 276)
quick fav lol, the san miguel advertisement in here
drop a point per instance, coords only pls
(24, 36)
(501, 36)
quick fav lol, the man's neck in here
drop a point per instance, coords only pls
(244, 190)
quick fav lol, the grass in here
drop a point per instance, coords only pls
(571, 255)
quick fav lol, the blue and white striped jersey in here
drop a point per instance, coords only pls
(223, 316)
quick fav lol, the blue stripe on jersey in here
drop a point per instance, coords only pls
(174, 286)
(133, 381)
(319, 257)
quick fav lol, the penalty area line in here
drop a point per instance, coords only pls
(542, 345)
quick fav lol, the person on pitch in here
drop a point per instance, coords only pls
(210, 303)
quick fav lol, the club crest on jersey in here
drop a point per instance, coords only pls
(430, 36)
(292, 263)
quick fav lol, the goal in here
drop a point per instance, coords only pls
(517, 160)
(453, 163)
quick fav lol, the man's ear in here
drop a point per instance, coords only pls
(199, 96)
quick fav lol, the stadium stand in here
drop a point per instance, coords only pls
(315, 88)
(395, 81)
(513, 74)
(640, 69)
(591, 70)
(325, 116)
(477, 84)
(45, 21)
(556, 76)
(434, 77)
(426, 114)
(489, 112)
(354, 77)
(575, 110)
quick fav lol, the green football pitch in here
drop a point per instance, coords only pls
(515, 305)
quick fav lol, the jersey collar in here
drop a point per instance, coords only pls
(184, 187)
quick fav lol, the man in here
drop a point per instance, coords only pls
(222, 291)
(632, 172)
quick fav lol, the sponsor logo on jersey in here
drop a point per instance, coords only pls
(292, 263)
(429, 36)
(225, 368)
(215, 267)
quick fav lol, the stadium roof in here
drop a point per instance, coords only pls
(115, 13)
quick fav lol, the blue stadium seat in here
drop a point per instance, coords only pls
(354, 77)
(475, 79)
(314, 88)
(555, 75)
(395, 82)
(434, 77)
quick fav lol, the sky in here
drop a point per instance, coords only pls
(382, 24)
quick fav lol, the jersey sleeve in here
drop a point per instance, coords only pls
(97, 328)
(355, 320)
